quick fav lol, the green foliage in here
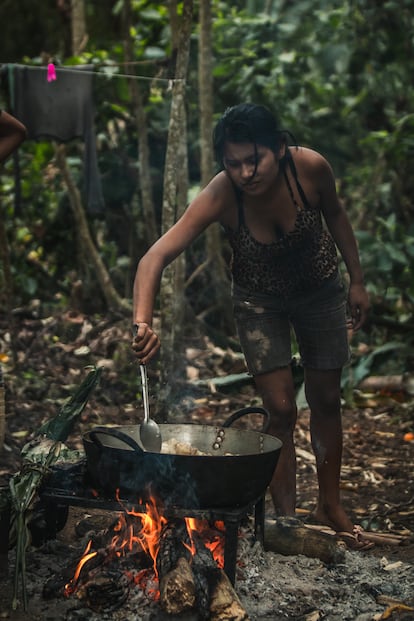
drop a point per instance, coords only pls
(388, 256)
(60, 426)
(38, 456)
(339, 76)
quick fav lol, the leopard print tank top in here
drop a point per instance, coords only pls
(297, 261)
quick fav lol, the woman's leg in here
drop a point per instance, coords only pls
(277, 391)
(324, 399)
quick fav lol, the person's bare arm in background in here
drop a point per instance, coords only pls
(12, 134)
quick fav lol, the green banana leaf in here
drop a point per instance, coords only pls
(59, 427)
(38, 456)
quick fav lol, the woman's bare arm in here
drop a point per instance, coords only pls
(12, 134)
(206, 208)
(341, 230)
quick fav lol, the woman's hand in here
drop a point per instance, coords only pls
(358, 302)
(146, 342)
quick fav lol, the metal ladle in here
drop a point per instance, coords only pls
(149, 431)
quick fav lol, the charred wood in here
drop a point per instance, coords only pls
(105, 592)
(96, 525)
(203, 566)
(224, 603)
(217, 599)
(173, 541)
(176, 581)
(193, 580)
(177, 589)
(54, 587)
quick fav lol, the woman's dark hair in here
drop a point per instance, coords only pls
(247, 122)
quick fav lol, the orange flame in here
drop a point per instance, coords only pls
(148, 537)
(70, 587)
(137, 531)
(211, 537)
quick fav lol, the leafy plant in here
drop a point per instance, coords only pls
(38, 456)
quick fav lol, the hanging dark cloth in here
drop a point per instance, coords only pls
(60, 110)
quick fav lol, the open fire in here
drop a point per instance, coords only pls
(177, 562)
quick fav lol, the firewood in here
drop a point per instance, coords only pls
(289, 536)
(171, 546)
(224, 602)
(194, 581)
(106, 591)
(177, 589)
(174, 548)
(204, 570)
(218, 594)
(375, 383)
(55, 585)
(385, 538)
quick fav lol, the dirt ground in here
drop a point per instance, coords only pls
(377, 479)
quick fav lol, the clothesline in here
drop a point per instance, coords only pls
(106, 74)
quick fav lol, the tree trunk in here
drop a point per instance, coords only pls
(205, 91)
(220, 286)
(144, 176)
(89, 252)
(175, 180)
(79, 36)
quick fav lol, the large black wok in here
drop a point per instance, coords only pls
(236, 471)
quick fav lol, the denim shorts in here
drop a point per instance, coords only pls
(317, 318)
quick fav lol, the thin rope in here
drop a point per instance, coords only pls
(105, 74)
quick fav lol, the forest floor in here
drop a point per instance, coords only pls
(377, 476)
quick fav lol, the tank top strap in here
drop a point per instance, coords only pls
(298, 184)
(289, 187)
(240, 210)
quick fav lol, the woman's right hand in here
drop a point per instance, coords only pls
(146, 342)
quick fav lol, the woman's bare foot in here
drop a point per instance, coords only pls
(346, 531)
(334, 517)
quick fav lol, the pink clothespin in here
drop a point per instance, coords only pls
(51, 72)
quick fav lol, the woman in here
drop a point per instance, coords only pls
(271, 200)
(12, 134)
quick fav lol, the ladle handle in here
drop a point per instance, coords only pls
(144, 381)
(145, 397)
(113, 433)
(249, 410)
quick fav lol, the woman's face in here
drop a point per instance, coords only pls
(253, 171)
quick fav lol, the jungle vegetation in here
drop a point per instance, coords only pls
(339, 76)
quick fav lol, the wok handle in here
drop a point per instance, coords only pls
(113, 433)
(249, 410)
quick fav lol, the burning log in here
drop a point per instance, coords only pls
(177, 589)
(288, 535)
(224, 603)
(204, 570)
(174, 544)
(176, 581)
(189, 577)
(106, 592)
(55, 585)
(217, 599)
